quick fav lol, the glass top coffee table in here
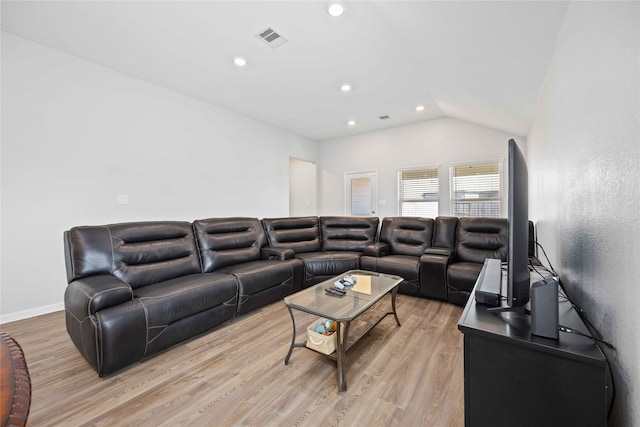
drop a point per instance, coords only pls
(369, 288)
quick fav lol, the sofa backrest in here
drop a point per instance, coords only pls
(480, 238)
(138, 253)
(149, 252)
(300, 234)
(228, 241)
(407, 235)
(340, 233)
(444, 232)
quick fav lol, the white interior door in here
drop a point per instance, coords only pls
(361, 194)
(302, 188)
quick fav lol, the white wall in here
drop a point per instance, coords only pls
(75, 134)
(434, 142)
(584, 158)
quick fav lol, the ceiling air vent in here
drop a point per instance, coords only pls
(272, 38)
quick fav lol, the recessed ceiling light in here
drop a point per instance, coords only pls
(239, 61)
(335, 9)
(351, 122)
(346, 87)
(420, 108)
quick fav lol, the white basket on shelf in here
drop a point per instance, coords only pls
(325, 344)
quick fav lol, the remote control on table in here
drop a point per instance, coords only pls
(335, 292)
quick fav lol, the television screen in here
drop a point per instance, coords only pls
(518, 286)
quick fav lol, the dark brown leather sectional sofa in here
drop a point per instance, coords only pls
(135, 289)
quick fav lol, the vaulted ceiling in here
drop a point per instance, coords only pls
(483, 62)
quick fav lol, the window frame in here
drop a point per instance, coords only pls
(417, 169)
(455, 189)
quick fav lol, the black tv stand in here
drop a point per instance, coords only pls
(512, 377)
(521, 309)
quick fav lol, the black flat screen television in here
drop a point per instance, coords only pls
(518, 286)
(518, 278)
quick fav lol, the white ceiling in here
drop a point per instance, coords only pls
(483, 62)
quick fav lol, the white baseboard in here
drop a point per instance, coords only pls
(32, 312)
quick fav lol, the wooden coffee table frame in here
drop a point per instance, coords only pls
(344, 322)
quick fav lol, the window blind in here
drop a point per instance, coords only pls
(476, 189)
(418, 192)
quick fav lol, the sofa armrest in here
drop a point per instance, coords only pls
(433, 272)
(378, 249)
(86, 296)
(279, 254)
(445, 252)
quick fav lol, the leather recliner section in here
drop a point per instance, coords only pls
(234, 246)
(328, 246)
(476, 240)
(131, 285)
(401, 244)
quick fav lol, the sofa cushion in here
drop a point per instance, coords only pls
(406, 235)
(481, 238)
(228, 241)
(150, 252)
(405, 266)
(175, 299)
(462, 277)
(301, 234)
(323, 265)
(347, 233)
(265, 281)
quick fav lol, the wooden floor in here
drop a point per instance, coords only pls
(235, 376)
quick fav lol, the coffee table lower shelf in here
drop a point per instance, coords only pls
(351, 330)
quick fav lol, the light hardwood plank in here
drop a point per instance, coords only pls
(235, 375)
